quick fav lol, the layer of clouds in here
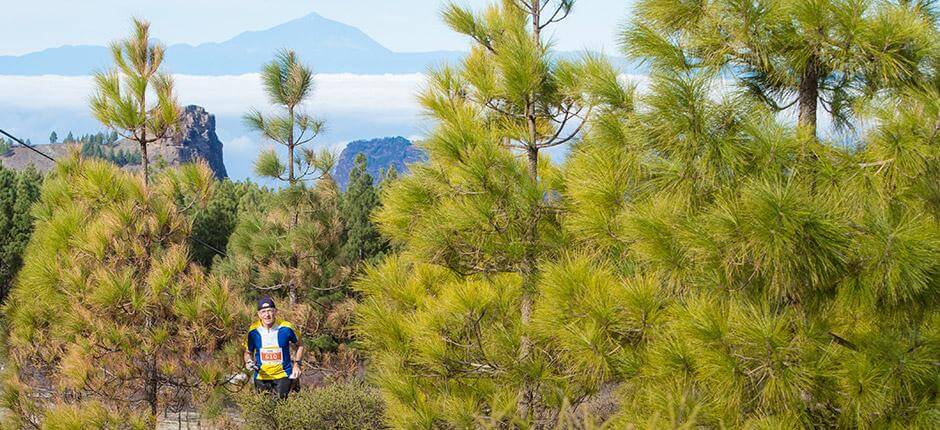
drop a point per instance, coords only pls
(229, 95)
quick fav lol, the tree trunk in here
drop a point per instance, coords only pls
(143, 140)
(808, 98)
(143, 153)
(290, 147)
(527, 406)
(151, 387)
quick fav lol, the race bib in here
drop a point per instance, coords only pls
(271, 355)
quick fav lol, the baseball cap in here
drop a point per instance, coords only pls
(266, 302)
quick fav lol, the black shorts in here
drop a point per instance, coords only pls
(282, 386)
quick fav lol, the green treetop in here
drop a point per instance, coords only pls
(120, 100)
(288, 83)
(808, 52)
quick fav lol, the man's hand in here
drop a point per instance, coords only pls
(296, 371)
(251, 366)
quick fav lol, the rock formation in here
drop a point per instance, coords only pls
(380, 154)
(194, 140)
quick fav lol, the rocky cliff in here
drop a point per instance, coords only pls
(380, 154)
(194, 140)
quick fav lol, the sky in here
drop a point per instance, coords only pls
(400, 25)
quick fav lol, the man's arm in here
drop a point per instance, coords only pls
(297, 357)
(249, 356)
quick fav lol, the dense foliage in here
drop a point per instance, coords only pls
(215, 222)
(108, 307)
(447, 320)
(18, 192)
(697, 260)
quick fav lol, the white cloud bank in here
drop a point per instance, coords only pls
(228, 95)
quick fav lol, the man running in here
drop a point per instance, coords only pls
(267, 351)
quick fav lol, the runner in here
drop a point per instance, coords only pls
(267, 351)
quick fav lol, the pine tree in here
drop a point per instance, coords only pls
(53, 138)
(18, 191)
(287, 82)
(69, 138)
(108, 309)
(766, 289)
(450, 322)
(361, 239)
(825, 53)
(124, 107)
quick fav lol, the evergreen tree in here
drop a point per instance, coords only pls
(53, 138)
(108, 309)
(449, 322)
(287, 82)
(18, 191)
(826, 53)
(361, 240)
(124, 108)
(69, 138)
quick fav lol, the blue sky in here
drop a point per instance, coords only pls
(401, 25)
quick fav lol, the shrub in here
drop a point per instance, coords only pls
(351, 405)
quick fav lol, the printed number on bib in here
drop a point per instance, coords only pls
(271, 355)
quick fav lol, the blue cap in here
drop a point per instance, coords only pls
(266, 303)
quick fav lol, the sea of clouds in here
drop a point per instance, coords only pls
(353, 106)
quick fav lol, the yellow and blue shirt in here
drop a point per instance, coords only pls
(271, 348)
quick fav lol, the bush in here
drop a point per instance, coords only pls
(351, 405)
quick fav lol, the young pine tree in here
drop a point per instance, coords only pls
(108, 309)
(121, 95)
(288, 83)
(451, 323)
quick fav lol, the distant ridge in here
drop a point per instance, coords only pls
(329, 46)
